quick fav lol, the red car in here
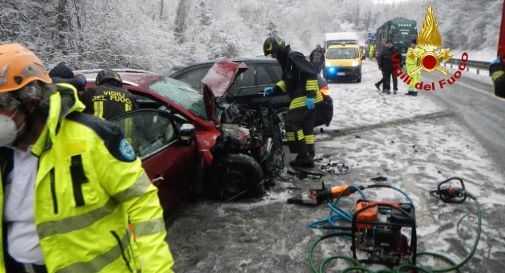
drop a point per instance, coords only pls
(188, 141)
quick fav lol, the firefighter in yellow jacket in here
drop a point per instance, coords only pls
(71, 183)
(299, 80)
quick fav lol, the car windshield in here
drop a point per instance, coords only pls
(180, 93)
(342, 53)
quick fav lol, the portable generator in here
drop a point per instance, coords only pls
(384, 233)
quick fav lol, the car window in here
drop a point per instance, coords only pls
(277, 72)
(180, 93)
(262, 76)
(147, 131)
(194, 77)
(245, 79)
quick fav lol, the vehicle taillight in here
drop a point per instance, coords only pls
(325, 91)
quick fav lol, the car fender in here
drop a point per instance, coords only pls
(206, 140)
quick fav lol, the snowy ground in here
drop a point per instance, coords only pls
(268, 235)
(357, 105)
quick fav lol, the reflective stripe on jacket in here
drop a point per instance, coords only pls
(89, 187)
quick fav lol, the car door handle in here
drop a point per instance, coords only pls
(158, 179)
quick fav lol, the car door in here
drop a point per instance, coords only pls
(169, 160)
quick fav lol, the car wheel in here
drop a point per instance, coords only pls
(282, 114)
(236, 176)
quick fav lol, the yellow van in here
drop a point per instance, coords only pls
(343, 62)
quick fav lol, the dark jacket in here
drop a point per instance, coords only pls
(317, 56)
(385, 61)
(108, 100)
(298, 74)
(497, 73)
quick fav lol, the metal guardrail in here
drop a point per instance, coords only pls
(479, 65)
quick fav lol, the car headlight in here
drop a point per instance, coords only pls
(355, 63)
(327, 64)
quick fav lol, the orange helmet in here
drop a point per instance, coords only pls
(18, 67)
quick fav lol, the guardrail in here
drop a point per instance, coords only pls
(479, 65)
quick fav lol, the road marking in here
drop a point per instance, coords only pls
(491, 94)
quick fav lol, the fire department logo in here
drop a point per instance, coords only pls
(428, 41)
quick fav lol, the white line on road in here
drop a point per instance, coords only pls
(478, 90)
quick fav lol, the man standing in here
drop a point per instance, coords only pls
(386, 65)
(299, 79)
(371, 51)
(411, 63)
(108, 99)
(317, 58)
(71, 183)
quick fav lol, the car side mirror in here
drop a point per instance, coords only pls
(186, 132)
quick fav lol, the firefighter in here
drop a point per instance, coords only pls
(299, 80)
(497, 73)
(108, 99)
(410, 63)
(71, 184)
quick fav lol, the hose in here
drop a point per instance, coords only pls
(357, 266)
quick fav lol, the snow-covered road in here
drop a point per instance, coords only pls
(268, 235)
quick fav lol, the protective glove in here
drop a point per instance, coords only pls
(79, 81)
(310, 103)
(61, 70)
(268, 91)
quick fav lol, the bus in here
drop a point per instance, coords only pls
(400, 30)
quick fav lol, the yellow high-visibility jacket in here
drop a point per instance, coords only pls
(90, 186)
(412, 62)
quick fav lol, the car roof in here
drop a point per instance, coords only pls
(178, 68)
(135, 77)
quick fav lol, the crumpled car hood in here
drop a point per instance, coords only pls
(218, 81)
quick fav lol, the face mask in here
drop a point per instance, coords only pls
(8, 132)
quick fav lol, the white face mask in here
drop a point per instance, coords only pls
(8, 130)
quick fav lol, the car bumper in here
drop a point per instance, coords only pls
(342, 73)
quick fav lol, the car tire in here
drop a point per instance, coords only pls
(236, 176)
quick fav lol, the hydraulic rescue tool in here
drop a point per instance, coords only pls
(381, 232)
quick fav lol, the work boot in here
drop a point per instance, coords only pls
(311, 150)
(386, 91)
(378, 86)
(302, 161)
(395, 90)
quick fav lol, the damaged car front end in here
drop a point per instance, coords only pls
(248, 153)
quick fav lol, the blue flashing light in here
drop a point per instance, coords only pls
(331, 70)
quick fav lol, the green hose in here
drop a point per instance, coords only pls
(357, 266)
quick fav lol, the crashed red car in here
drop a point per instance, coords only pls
(204, 143)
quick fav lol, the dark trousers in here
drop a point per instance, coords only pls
(317, 66)
(386, 79)
(300, 131)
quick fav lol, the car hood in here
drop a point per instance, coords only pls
(340, 62)
(217, 82)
